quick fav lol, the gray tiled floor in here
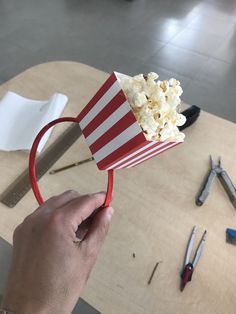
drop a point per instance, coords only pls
(192, 40)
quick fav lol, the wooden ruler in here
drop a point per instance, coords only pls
(15, 191)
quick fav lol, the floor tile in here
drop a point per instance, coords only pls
(218, 101)
(119, 62)
(131, 45)
(227, 52)
(219, 10)
(198, 41)
(217, 72)
(180, 11)
(14, 59)
(178, 60)
(211, 25)
(32, 35)
(158, 28)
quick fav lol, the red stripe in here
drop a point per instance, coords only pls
(140, 153)
(167, 147)
(114, 131)
(129, 147)
(112, 106)
(108, 83)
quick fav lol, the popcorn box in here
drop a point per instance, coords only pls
(112, 132)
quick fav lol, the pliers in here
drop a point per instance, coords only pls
(216, 170)
(189, 267)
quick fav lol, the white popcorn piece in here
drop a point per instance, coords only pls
(139, 99)
(155, 105)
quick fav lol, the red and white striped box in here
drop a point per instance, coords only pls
(112, 132)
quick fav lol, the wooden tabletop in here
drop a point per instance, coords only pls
(154, 207)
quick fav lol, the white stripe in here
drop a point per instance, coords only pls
(103, 101)
(118, 141)
(149, 156)
(131, 155)
(142, 155)
(108, 123)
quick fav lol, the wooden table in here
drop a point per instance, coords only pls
(154, 208)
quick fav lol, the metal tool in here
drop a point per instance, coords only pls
(228, 186)
(216, 170)
(189, 267)
(14, 193)
(77, 163)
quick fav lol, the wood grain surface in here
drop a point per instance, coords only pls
(154, 208)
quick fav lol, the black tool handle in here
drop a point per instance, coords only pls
(228, 186)
(204, 191)
(191, 114)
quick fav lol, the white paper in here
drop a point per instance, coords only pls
(21, 119)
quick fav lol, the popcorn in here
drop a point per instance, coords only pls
(155, 105)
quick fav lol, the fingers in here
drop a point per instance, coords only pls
(61, 199)
(80, 208)
(96, 234)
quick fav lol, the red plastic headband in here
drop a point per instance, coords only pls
(32, 163)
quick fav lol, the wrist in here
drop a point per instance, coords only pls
(15, 302)
(22, 310)
(26, 306)
(15, 306)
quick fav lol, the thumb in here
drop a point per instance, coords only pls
(97, 231)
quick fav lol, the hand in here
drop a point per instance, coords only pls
(50, 264)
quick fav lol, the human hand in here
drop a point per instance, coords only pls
(50, 265)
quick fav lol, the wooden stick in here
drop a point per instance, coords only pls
(153, 272)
